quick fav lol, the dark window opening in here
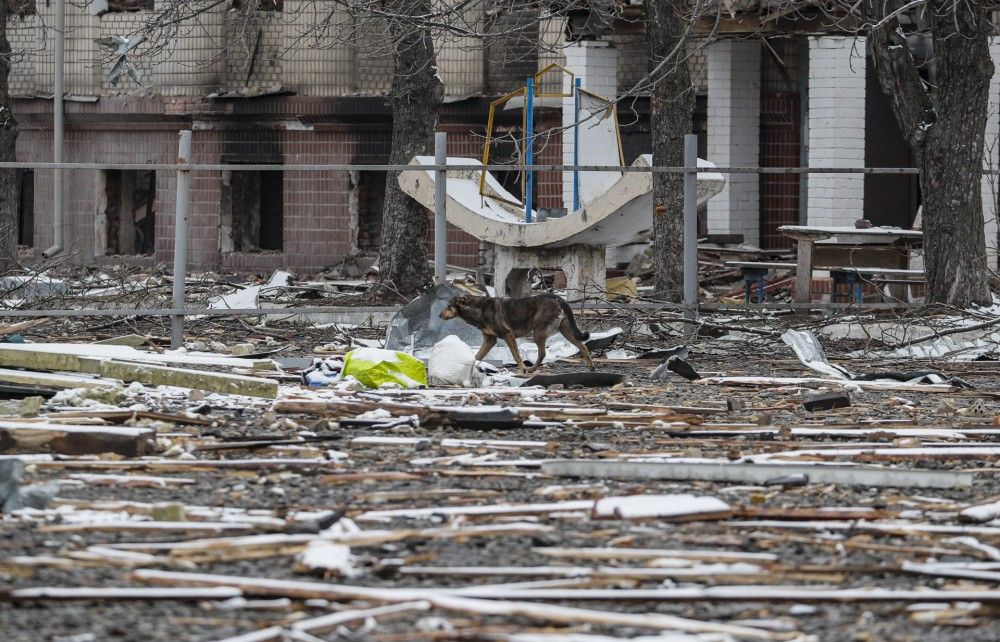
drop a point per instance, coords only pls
(129, 211)
(890, 199)
(252, 210)
(259, 5)
(120, 6)
(26, 207)
(22, 8)
(371, 197)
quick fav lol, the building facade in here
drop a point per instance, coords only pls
(263, 88)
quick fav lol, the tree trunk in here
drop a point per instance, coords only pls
(671, 109)
(946, 131)
(417, 93)
(9, 191)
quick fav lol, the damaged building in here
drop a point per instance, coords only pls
(261, 93)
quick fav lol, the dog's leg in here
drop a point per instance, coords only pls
(567, 331)
(540, 338)
(488, 342)
(512, 344)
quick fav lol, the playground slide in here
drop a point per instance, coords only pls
(621, 215)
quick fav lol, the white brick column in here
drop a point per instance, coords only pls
(836, 128)
(991, 159)
(734, 135)
(595, 63)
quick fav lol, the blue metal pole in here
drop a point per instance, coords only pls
(529, 141)
(576, 143)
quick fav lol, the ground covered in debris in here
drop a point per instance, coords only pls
(191, 514)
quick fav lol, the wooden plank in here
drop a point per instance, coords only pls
(29, 438)
(612, 553)
(451, 602)
(102, 593)
(757, 472)
(803, 274)
(58, 380)
(145, 527)
(148, 373)
(325, 623)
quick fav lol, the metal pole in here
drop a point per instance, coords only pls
(180, 236)
(691, 226)
(529, 157)
(57, 128)
(440, 202)
(576, 143)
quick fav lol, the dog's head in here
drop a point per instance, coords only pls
(454, 307)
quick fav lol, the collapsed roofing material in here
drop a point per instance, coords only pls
(808, 349)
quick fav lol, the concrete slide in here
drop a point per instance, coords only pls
(620, 215)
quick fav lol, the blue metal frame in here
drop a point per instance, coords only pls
(576, 143)
(529, 141)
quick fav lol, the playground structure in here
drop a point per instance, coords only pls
(605, 209)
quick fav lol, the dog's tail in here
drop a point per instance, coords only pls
(568, 311)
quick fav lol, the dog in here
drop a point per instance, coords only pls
(537, 317)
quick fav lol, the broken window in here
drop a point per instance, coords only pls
(22, 8)
(119, 6)
(129, 209)
(26, 207)
(252, 211)
(261, 5)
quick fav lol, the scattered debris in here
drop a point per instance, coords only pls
(286, 499)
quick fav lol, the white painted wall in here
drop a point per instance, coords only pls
(596, 65)
(734, 135)
(836, 128)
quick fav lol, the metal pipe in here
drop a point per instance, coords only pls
(461, 167)
(180, 236)
(576, 143)
(691, 226)
(57, 128)
(529, 157)
(440, 203)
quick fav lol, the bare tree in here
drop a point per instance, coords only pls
(8, 141)
(671, 109)
(416, 96)
(944, 120)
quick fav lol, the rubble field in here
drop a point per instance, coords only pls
(150, 497)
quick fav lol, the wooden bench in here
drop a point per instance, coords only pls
(856, 277)
(853, 277)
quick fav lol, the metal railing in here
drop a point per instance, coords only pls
(184, 167)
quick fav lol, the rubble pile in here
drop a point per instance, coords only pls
(767, 478)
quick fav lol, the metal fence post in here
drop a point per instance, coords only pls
(691, 226)
(440, 203)
(180, 237)
(529, 144)
(58, 90)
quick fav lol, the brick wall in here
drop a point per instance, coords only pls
(734, 135)
(836, 128)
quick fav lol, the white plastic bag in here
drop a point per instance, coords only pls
(451, 363)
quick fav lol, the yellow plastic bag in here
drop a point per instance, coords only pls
(374, 367)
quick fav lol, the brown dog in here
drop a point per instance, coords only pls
(537, 316)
